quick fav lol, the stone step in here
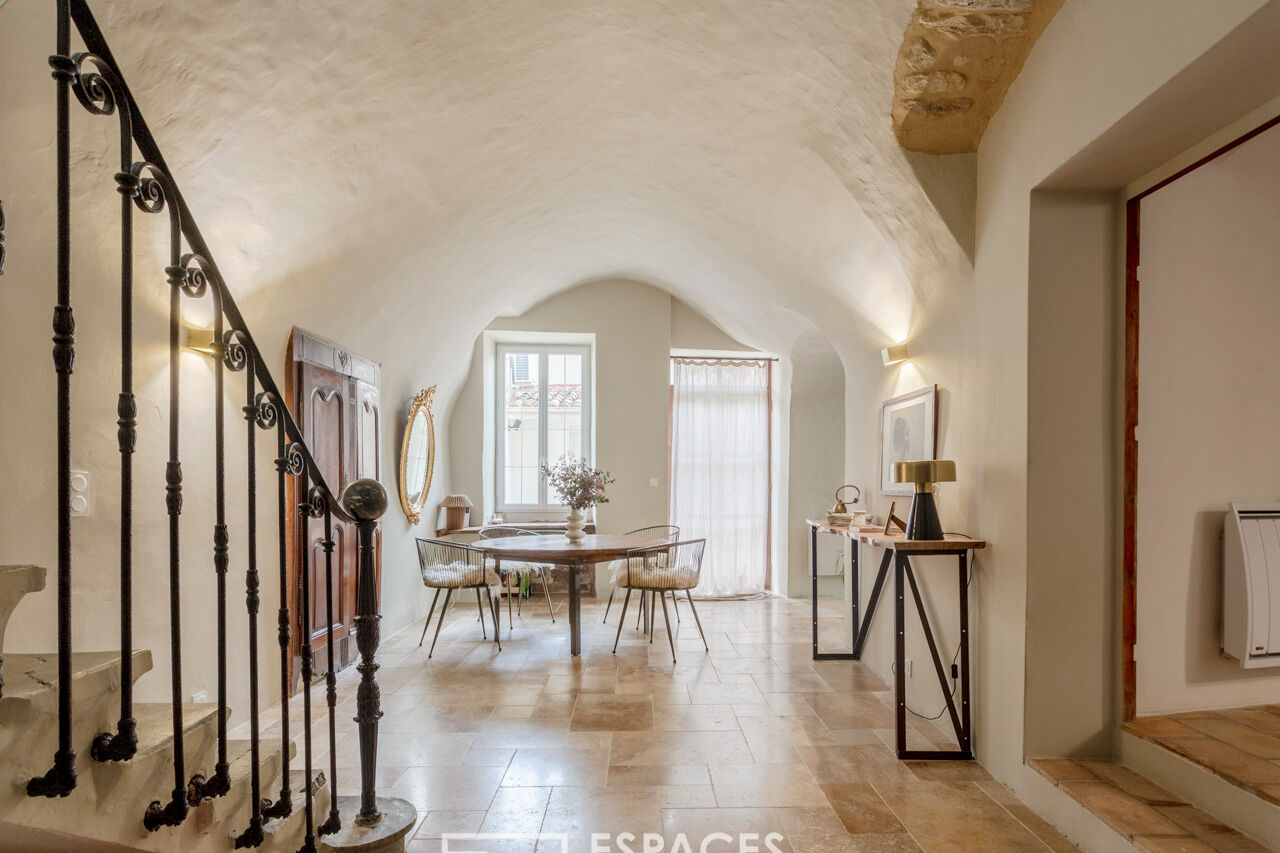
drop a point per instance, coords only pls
(33, 678)
(287, 833)
(387, 836)
(1236, 795)
(15, 583)
(155, 723)
(151, 768)
(29, 707)
(1139, 813)
(235, 805)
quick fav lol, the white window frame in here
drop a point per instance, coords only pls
(545, 503)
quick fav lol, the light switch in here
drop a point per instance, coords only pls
(80, 494)
(653, 482)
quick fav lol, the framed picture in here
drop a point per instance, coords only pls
(908, 431)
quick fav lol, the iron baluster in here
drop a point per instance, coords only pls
(304, 608)
(366, 501)
(97, 91)
(61, 778)
(187, 279)
(289, 461)
(236, 358)
(334, 822)
(199, 788)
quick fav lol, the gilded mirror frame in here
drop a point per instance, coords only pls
(421, 404)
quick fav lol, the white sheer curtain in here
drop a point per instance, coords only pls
(720, 469)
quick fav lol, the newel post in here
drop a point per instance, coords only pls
(365, 500)
(382, 822)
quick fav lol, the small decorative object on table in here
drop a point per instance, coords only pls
(457, 512)
(580, 487)
(839, 515)
(923, 522)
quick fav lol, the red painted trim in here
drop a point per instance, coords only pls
(1129, 627)
(1262, 128)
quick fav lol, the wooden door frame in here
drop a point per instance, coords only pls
(1132, 293)
(314, 349)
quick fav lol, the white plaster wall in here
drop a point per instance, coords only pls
(816, 453)
(1206, 409)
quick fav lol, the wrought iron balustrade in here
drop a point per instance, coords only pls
(147, 185)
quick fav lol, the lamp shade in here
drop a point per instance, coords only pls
(924, 471)
(456, 510)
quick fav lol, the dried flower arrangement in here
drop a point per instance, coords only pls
(579, 484)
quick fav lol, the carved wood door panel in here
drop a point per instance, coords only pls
(335, 397)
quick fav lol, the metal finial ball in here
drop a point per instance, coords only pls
(364, 499)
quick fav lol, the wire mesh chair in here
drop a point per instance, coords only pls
(451, 565)
(661, 569)
(618, 568)
(520, 568)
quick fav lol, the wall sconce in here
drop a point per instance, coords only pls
(199, 341)
(894, 354)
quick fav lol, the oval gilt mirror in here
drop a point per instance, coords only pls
(417, 455)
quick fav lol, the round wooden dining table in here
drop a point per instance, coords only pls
(573, 556)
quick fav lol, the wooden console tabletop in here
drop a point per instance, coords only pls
(876, 537)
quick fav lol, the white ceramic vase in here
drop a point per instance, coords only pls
(577, 526)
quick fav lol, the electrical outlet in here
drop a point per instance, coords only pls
(80, 494)
(653, 482)
(200, 697)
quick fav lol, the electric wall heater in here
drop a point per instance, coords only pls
(1251, 584)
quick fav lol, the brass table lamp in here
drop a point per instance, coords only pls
(923, 522)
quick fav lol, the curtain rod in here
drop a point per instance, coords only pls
(688, 359)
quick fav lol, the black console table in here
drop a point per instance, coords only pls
(897, 554)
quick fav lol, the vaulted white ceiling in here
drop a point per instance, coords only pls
(470, 158)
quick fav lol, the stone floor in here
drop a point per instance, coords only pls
(1242, 745)
(750, 737)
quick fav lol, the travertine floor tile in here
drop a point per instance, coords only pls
(558, 767)
(784, 785)
(860, 809)
(612, 713)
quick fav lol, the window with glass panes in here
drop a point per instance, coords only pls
(543, 412)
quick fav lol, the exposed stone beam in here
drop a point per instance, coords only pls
(957, 60)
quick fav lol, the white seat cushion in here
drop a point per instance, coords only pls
(524, 569)
(655, 573)
(458, 575)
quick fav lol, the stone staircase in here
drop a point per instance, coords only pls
(105, 810)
